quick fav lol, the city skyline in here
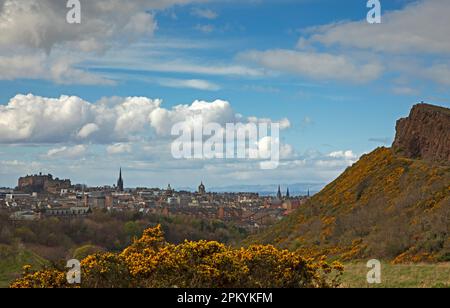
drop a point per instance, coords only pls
(62, 184)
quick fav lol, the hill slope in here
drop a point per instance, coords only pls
(385, 206)
(12, 259)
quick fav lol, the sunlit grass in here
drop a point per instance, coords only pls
(399, 276)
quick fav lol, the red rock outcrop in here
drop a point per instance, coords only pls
(425, 134)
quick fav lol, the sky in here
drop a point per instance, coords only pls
(80, 101)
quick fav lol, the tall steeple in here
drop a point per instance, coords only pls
(288, 195)
(279, 195)
(120, 181)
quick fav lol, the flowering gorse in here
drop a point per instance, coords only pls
(151, 262)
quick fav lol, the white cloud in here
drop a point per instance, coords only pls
(439, 73)
(421, 27)
(315, 65)
(134, 62)
(42, 23)
(361, 52)
(40, 66)
(197, 84)
(404, 90)
(62, 71)
(20, 66)
(87, 130)
(67, 152)
(205, 28)
(18, 167)
(349, 155)
(264, 148)
(37, 65)
(119, 148)
(35, 119)
(204, 13)
(284, 123)
(336, 160)
(34, 31)
(219, 111)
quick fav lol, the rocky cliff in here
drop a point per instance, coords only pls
(425, 134)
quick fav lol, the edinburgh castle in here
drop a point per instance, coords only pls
(42, 183)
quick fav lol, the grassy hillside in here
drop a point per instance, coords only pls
(12, 259)
(384, 206)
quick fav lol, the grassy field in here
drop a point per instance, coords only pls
(399, 276)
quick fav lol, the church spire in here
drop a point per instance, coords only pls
(120, 181)
(279, 195)
(288, 195)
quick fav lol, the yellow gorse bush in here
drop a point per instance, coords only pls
(151, 262)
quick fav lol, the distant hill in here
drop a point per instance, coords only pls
(295, 189)
(392, 204)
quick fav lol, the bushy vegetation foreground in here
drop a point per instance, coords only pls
(151, 262)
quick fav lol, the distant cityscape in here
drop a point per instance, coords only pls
(41, 195)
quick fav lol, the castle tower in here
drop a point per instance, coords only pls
(120, 182)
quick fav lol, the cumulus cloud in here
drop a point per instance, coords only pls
(35, 119)
(264, 148)
(336, 160)
(343, 154)
(315, 65)
(87, 130)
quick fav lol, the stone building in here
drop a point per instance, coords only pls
(42, 183)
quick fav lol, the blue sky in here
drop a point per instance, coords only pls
(339, 81)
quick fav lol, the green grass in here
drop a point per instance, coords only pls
(13, 259)
(399, 276)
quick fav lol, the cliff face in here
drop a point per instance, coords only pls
(425, 134)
